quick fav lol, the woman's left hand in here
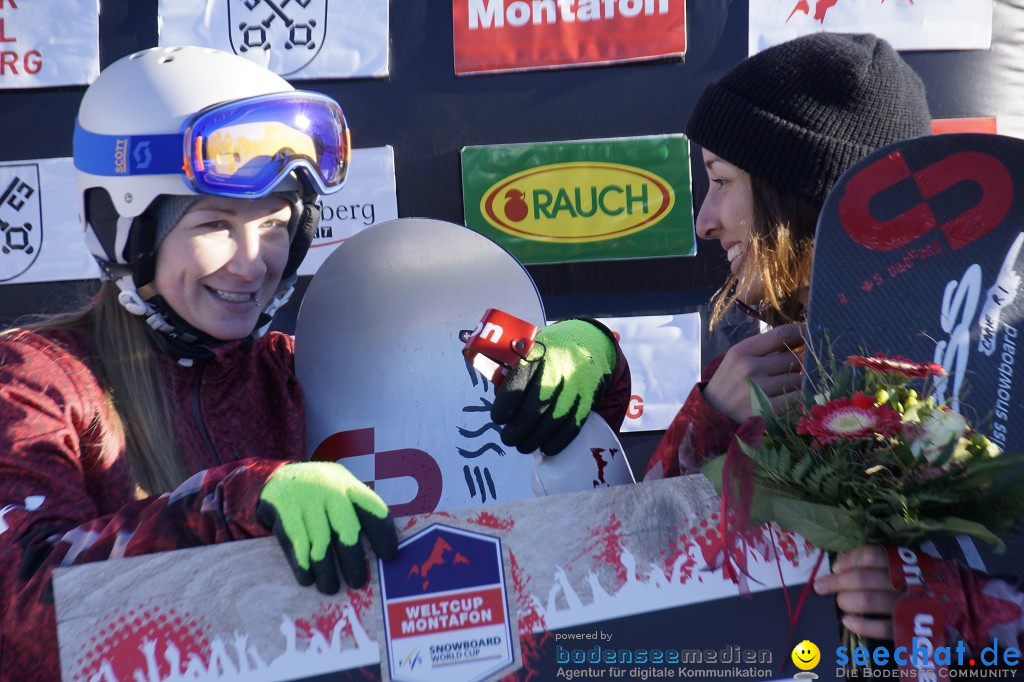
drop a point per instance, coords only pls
(863, 589)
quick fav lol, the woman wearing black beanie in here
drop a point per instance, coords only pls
(777, 132)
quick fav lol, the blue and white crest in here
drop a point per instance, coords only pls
(289, 32)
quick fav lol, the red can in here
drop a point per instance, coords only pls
(497, 343)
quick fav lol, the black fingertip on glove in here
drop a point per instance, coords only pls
(267, 515)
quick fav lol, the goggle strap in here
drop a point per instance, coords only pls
(123, 155)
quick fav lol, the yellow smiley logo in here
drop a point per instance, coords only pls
(806, 655)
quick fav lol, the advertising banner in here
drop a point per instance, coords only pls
(298, 40)
(907, 25)
(587, 200)
(45, 44)
(368, 198)
(664, 364)
(614, 583)
(516, 35)
(41, 237)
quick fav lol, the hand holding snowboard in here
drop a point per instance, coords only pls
(547, 396)
(316, 510)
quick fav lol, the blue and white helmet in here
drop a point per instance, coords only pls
(142, 130)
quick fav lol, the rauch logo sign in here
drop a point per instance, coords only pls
(577, 202)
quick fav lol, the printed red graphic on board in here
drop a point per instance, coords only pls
(400, 463)
(144, 641)
(821, 7)
(331, 613)
(489, 520)
(598, 454)
(984, 171)
(437, 558)
(605, 547)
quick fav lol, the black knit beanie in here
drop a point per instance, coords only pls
(800, 113)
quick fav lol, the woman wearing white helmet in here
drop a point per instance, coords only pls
(161, 416)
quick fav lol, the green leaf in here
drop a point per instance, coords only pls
(953, 525)
(979, 471)
(802, 466)
(760, 405)
(713, 470)
(830, 528)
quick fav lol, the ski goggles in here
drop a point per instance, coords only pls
(243, 148)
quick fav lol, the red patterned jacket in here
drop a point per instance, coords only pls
(983, 608)
(65, 498)
(697, 433)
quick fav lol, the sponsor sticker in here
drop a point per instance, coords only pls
(582, 200)
(446, 614)
(514, 35)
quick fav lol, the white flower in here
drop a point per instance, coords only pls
(939, 428)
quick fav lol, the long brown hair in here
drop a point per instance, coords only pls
(126, 365)
(779, 252)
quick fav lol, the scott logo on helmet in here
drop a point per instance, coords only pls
(577, 202)
(121, 155)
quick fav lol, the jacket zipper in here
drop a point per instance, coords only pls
(197, 415)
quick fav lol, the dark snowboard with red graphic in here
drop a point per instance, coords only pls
(918, 254)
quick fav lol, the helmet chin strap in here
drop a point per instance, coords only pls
(183, 339)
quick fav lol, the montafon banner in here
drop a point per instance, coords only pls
(553, 202)
(515, 35)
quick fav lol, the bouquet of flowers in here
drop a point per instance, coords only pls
(869, 458)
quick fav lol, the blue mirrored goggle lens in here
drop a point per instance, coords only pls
(247, 147)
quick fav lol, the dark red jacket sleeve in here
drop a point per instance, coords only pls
(697, 433)
(50, 516)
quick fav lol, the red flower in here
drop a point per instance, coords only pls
(897, 365)
(849, 419)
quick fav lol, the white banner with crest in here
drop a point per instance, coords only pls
(298, 39)
(40, 235)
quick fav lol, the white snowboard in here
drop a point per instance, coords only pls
(388, 390)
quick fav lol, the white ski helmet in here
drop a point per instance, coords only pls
(194, 121)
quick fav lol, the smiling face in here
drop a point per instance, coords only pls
(727, 214)
(222, 262)
(806, 655)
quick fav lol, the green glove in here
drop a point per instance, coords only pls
(545, 398)
(316, 510)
